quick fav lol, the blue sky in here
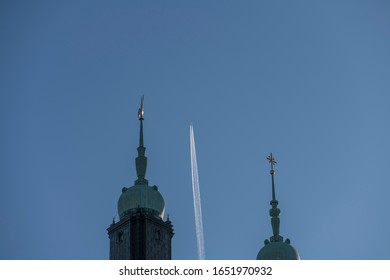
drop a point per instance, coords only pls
(306, 80)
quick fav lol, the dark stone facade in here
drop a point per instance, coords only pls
(140, 236)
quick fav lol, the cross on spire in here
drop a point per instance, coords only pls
(274, 211)
(272, 161)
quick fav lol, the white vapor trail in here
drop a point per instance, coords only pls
(196, 194)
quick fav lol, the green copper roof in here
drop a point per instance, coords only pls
(278, 251)
(141, 196)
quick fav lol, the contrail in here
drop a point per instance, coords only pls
(196, 194)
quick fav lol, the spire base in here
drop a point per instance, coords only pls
(276, 238)
(141, 181)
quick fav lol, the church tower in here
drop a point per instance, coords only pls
(141, 232)
(275, 248)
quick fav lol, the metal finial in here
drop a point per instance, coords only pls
(141, 160)
(141, 109)
(272, 161)
(274, 211)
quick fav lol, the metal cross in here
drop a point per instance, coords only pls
(271, 161)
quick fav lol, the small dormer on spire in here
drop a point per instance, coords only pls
(274, 211)
(141, 161)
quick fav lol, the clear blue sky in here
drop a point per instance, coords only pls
(306, 80)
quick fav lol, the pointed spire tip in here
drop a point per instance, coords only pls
(141, 109)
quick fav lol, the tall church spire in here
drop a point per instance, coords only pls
(141, 160)
(141, 232)
(275, 248)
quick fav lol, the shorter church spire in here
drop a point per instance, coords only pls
(274, 211)
(141, 160)
(275, 248)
